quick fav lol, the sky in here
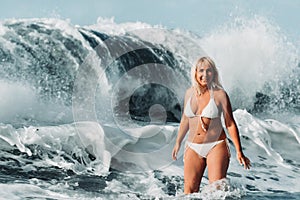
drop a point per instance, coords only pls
(197, 16)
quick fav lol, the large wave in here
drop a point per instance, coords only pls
(41, 58)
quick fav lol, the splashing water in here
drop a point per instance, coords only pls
(48, 151)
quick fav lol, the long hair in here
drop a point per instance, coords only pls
(215, 81)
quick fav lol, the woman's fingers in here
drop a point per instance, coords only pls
(174, 157)
(175, 151)
(174, 154)
(246, 163)
(243, 160)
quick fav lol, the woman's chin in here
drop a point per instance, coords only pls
(203, 84)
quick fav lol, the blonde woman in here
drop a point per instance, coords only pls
(206, 145)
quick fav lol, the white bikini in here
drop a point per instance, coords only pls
(210, 111)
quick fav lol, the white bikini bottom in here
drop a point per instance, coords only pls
(204, 148)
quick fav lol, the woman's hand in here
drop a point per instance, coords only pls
(243, 160)
(175, 151)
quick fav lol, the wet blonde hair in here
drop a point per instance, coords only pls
(215, 81)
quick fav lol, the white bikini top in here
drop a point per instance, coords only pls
(209, 111)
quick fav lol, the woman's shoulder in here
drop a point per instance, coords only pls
(220, 93)
(189, 92)
(190, 89)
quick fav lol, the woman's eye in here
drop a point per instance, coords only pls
(207, 71)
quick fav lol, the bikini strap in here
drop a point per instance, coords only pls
(211, 93)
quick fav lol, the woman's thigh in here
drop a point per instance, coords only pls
(218, 162)
(194, 167)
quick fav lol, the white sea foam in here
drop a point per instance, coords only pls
(253, 55)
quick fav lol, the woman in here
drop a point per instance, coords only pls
(207, 144)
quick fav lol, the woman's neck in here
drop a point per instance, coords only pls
(202, 90)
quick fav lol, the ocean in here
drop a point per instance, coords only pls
(92, 112)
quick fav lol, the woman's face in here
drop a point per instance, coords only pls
(204, 74)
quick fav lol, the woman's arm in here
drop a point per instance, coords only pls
(183, 128)
(233, 131)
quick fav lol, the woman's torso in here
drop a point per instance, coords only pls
(204, 113)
